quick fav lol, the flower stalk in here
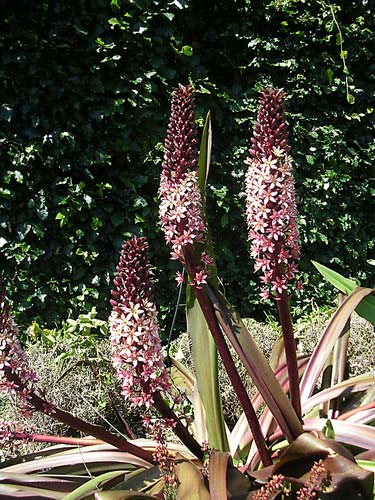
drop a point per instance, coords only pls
(184, 227)
(272, 218)
(135, 341)
(19, 380)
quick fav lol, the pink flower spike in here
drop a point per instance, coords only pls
(134, 331)
(270, 197)
(180, 208)
(16, 377)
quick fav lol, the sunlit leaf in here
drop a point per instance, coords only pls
(123, 495)
(204, 355)
(351, 433)
(328, 339)
(355, 384)
(9, 491)
(93, 485)
(204, 348)
(190, 482)
(366, 308)
(185, 381)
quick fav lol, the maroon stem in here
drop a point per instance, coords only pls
(76, 423)
(290, 351)
(43, 438)
(228, 362)
(178, 428)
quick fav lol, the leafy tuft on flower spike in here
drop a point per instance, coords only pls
(270, 197)
(134, 331)
(181, 205)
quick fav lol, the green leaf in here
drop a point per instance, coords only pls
(366, 308)
(93, 485)
(327, 341)
(115, 3)
(204, 347)
(187, 50)
(344, 54)
(205, 155)
(329, 75)
(185, 381)
(328, 430)
(206, 370)
(350, 98)
(123, 495)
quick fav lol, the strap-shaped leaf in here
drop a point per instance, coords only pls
(327, 341)
(351, 433)
(204, 350)
(9, 491)
(204, 354)
(355, 384)
(123, 495)
(257, 365)
(205, 156)
(190, 482)
(186, 382)
(93, 485)
(366, 308)
(218, 475)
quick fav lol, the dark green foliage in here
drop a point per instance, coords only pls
(84, 107)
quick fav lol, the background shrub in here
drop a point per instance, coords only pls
(84, 105)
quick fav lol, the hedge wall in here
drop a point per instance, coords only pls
(84, 105)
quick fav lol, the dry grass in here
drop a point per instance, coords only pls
(85, 395)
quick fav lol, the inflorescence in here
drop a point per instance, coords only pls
(134, 331)
(271, 206)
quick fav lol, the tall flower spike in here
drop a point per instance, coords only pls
(134, 331)
(272, 218)
(181, 206)
(270, 197)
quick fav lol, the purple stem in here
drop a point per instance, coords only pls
(76, 423)
(45, 438)
(228, 362)
(290, 351)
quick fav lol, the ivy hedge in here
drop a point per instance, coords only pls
(84, 106)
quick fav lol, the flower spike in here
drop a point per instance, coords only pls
(180, 199)
(272, 218)
(134, 331)
(271, 206)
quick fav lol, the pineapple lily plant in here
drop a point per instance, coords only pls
(306, 432)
